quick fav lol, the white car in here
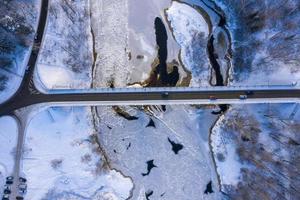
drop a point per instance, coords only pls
(22, 188)
(5, 197)
(165, 94)
(242, 97)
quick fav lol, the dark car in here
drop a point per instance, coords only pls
(249, 92)
(5, 197)
(22, 188)
(9, 182)
(7, 191)
(19, 198)
(165, 94)
(212, 98)
(243, 97)
(22, 180)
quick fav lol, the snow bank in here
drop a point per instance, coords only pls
(191, 31)
(224, 149)
(60, 144)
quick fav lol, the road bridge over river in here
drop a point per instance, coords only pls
(151, 96)
(28, 94)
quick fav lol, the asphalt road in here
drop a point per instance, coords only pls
(28, 95)
(24, 93)
(17, 164)
(263, 94)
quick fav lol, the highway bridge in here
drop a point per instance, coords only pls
(30, 93)
(155, 96)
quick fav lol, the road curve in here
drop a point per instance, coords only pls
(24, 89)
(23, 93)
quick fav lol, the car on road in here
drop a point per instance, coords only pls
(22, 180)
(249, 92)
(7, 191)
(5, 197)
(212, 98)
(19, 198)
(242, 97)
(27, 69)
(165, 94)
(9, 180)
(22, 188)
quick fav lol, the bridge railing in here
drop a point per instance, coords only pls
(170, 89)
(40, 86)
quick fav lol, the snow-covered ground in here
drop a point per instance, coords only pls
(9, 84)
(255, 147)
(17, 26)
(224, 148)
(62, 159)
(8, 143)
(265, 40)
(65, 59)
(110, 27)
(130, 144)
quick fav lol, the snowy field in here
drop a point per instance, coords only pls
(16, 38)
(65, 59)
(8, 143)
(63, 160)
